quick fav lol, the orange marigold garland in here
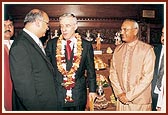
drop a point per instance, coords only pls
(68, 76)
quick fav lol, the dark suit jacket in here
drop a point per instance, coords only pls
(32, 76)
(157, 50)
(79, 92)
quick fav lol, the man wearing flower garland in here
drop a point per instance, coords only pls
(70, 66)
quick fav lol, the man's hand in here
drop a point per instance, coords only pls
(122, 97)
(92, 96)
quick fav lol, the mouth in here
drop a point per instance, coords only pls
(122, 37)
(64, 34)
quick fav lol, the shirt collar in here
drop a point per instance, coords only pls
(133, 43)
(73, 41)
(34, 37)
(8, 43)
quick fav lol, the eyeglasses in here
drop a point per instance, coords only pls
(45, 22)
(127, 29)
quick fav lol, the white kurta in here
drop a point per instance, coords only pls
(131, 72)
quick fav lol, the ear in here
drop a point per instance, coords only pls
(76, 26)
(37, 23)
(135, 31)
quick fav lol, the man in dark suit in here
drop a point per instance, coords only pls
(31, 71)
(71, 56)
(158, 49)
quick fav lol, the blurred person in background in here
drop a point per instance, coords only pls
(8, 34)
(158, 82)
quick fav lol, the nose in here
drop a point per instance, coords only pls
(63, 28)
(122, 31)
(7, 27)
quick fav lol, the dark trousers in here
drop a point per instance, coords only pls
(154, 101)
(73, 108)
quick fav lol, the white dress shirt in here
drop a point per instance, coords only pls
(8, 43)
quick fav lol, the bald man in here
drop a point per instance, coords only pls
(131, 70)
(31, 71)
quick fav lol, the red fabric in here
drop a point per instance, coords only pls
(7, 82)
(68, 49)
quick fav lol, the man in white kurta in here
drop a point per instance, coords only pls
(131, 70)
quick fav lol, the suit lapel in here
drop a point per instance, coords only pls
(157, 53)
(34, 44)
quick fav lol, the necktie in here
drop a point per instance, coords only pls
(68, 49)
(161, 72)
(41, 46)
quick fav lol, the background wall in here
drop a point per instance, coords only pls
(103, 18)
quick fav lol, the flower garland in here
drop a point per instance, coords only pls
(69, 76)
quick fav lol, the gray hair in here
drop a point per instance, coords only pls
(68, 15)
(136, 25)
(33, 15)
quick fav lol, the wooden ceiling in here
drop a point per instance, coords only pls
(104, 17)
(95, 15)
(115, 11)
